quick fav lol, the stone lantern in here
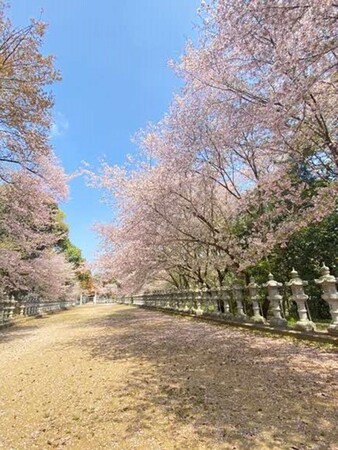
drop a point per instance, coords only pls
(254, 297)
(328, 283)
(275, 298)
(238, 294)
(225, 295)
(299, 297)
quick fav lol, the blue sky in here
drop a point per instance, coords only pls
(113, 58)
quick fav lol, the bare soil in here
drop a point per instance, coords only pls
(118, 377)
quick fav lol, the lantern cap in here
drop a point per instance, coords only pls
(325, 270)
(294, 273)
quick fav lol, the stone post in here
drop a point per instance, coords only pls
(225, 295)
(181, 304)
(167, 300)
(95, 298)
(275, 298)
(12, 303)
(198, 297)
(213, 299)
(81, 299)
(159, 299)
(180, 299)
(22, 309)
(254, 297)
(172, 301)
(163, 299)
(238, 294)
(1, 312)
(5, 309)
(192, 300)
(205, 300)
(328, 282)
(177, 300)
(299, 297)
(185, 300)
(39, 310)
(141, 301)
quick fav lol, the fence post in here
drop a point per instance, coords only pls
(328, 282)
(275, 298)
(299, 297)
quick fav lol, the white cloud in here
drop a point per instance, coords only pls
(60, 125)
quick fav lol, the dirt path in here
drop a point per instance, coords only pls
(116, 377)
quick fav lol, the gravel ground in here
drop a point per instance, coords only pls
(117, 377)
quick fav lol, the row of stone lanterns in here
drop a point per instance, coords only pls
(206, 302)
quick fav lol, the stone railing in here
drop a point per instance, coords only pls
(239, 303)
(28, 306)
(104, 300)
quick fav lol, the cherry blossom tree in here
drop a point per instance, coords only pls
(25, 104)
(276, 65)
(32, 180)
(29, 236)
(246, 155)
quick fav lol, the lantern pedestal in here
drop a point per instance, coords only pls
(305, 325)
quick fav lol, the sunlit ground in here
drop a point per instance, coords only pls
(120, 377)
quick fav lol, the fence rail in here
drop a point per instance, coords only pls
(245, 304)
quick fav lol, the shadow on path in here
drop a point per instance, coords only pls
(15, 332)
(230, 387)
